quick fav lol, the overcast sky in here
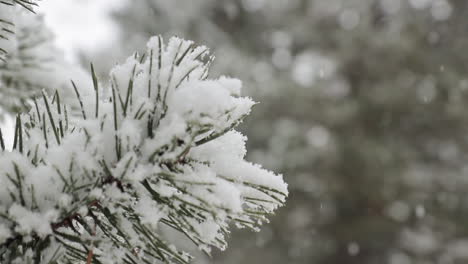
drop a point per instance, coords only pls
(81, 24)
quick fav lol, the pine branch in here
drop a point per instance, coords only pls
(104, 185)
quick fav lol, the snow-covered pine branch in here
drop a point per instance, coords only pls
(155, 149)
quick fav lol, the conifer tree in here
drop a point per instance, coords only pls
(102, 179)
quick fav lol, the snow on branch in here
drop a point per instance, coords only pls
(155, 149)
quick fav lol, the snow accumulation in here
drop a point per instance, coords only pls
(156, 146)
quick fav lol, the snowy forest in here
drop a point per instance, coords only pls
(234, 131)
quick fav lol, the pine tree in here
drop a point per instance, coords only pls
(109, 178)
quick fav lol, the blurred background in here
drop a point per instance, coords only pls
(363, 109)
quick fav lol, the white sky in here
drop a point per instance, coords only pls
(81, 24)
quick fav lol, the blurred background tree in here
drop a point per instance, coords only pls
(363, 108)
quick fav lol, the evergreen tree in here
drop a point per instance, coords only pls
(111, 178)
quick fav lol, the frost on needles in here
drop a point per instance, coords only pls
(99, 181)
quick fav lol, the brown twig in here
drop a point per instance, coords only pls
(91, 252)
(90, 257)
